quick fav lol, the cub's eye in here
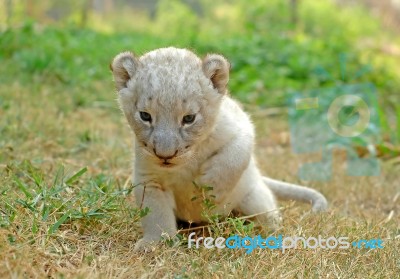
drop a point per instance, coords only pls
(145, 116)
(188, 119)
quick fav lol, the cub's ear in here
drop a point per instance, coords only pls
(124, 67)
(216, 68)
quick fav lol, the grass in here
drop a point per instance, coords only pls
(66, 208)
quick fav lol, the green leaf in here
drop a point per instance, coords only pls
(45, 212)
(59, 222)
(143, 212)
(25, 204)
(23, 187)
(75, 177)
(35, 228)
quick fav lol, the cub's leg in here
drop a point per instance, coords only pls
(223, 170)
(161, 218)
(258, 199)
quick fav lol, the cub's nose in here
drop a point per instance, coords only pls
(164, 156)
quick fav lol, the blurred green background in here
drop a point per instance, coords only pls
(275, 46)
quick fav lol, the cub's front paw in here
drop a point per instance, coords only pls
(216, 183)
(145, 246)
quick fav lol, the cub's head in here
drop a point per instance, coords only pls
(171, 99)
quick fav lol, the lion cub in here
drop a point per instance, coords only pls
(188, 132)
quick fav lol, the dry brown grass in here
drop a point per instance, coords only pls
(46, 127)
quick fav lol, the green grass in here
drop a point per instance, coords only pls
(66, 208)
(269, 57)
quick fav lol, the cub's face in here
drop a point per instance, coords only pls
(171, 99)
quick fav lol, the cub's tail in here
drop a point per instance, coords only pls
(289, 191)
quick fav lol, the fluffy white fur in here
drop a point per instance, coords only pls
(171, 155)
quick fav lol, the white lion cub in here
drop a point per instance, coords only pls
(188, 132)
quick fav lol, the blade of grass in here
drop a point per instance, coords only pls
(59, 176)
(23, 187)
(75, 177)
(25, 204)
(60, 221)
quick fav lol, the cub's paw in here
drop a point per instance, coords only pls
(145, 246)
(215, 184)
(320, 205)
(275, 221)
(270, 221)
